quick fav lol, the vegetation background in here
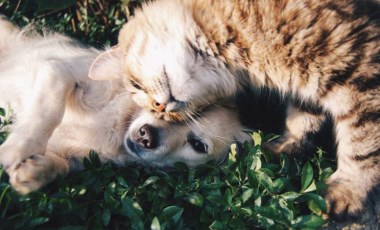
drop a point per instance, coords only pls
(250, 190)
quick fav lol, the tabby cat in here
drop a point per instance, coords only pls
(322, 53)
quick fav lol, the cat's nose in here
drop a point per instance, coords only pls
(167, 105)
(159, 107)
(147, 137)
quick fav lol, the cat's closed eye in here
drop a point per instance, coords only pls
(136, 85)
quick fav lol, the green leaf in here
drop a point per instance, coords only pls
(227, 197)
(106, 217)
(72, 228)
(257, 139)
(38, 221)
(247, 211)
(246, 195)
(290, 196)
(2, 112)
(308, 221)
(132, 209)
(195, 199)
(54, 4)
(258, 201)
(286, 210)
(233, 154)
(252, 179)
(284, 162)
(3, 137)
(155, 225)
(171, 213)
(316, 203)
(122, 182)
(256, 163)
(268, 212)
(312, 187)
(94, 158)
(265, 180)
(109, 200)
(149, 181)
(326, 173)
(307, 176)
(279, 184)
(87, 163)
(217, 225)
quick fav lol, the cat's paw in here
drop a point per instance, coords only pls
(32, 173)
(288, 145)
(344, 200)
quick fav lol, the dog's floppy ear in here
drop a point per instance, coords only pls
(107, 66)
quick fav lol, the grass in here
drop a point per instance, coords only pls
(251, 189)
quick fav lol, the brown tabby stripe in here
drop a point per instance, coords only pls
(363, 83)
(349, 114)
(340, 77)
(367, 156)
(338, 9)
(321, 42)
(364, 165)
(307, 107)
(368, 116)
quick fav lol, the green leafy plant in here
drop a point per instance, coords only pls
(4, 121)
(249, 190)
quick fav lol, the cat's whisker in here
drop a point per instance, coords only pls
(203, 128)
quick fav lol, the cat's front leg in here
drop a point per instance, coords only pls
(302, 124)
(358, 167)
(42, 112)
(36, 171)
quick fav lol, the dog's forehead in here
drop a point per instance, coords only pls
(217, 121)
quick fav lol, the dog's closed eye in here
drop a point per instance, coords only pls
(197, 144)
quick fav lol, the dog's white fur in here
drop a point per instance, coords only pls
(59, 115)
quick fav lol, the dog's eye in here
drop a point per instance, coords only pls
(136, 85)
(198, 145)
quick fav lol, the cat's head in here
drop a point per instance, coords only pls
(164, 64)
(156, 142)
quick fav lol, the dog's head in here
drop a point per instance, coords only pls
(207, 137)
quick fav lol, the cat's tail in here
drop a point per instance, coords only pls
(7, 31)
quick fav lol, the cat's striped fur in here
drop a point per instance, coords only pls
(322, 52)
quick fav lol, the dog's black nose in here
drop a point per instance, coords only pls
(147, 137)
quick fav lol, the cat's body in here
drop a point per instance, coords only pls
(324, 53)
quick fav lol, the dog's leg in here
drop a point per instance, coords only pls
(43, 112)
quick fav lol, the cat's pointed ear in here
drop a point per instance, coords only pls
(107, 66)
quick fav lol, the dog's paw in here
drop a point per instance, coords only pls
(12, 154)
(288, 145)
(32, 173)
(344, 200)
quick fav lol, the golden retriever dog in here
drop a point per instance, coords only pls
(58, 115)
